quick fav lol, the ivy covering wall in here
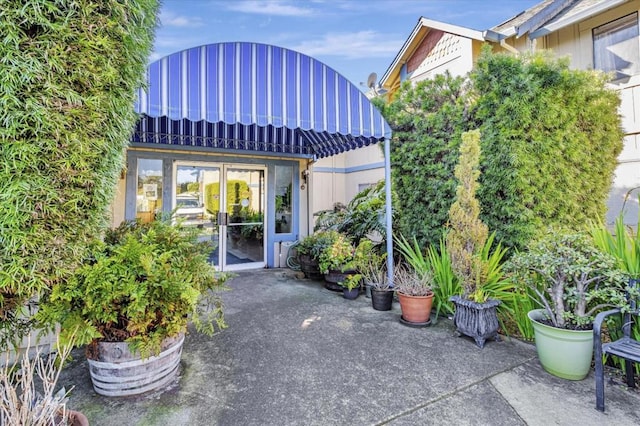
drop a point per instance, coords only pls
(68, 73)
(550, 141)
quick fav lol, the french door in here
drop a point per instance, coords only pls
(226, 202)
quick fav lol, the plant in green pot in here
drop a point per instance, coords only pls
(131, 301)
(573, 281)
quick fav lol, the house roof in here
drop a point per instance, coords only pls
(576, 12)
(550, 15)
(254, 97)
(421, 29)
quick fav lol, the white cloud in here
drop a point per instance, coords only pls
(170, 19)
(361, 44)
(270, 7)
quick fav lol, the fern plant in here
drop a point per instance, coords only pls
(141, 285)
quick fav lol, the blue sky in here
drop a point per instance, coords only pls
(354, 37)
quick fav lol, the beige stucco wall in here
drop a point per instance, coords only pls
(338, 178)
(453, 53)
(328, 187)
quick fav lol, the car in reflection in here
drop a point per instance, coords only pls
(189, 208)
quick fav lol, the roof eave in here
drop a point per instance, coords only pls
(585, 14)
(427, 23)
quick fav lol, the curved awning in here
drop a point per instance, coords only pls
(254, 97)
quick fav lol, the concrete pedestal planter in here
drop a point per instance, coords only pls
(476, 320)
(119, 372)
(563, 353)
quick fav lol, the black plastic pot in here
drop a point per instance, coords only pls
(351, 294)
(333, 277)
(310, 267)
(381, 300)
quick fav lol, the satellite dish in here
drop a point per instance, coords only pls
(371, 80)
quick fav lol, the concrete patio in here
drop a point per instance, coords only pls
(297, 354)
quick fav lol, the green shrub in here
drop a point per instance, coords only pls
(550, 141)
(466, 234)
(142, 285)
(427, 120)
(68, 76)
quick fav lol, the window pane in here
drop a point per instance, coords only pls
(284, 184)
(149, 194)
(616, 47)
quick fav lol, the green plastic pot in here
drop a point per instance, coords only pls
(563, 353)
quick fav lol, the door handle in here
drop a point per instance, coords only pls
(223, 219)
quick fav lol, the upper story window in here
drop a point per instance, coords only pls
(616, 47)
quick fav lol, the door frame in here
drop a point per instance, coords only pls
(222, 229)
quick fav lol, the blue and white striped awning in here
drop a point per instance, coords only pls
(254, 97)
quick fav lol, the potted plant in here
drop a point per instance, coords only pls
(309, 249)
(371, 264)
(468, 245)
(131, 301)
(415, 294)
(351, 286)
(336, 259)
(573, 281)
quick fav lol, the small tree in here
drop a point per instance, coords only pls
(467, 234)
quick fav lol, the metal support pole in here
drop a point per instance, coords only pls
(388, 208)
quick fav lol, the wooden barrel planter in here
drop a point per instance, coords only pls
(119, 372)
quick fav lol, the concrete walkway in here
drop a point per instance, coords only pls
(297, 354)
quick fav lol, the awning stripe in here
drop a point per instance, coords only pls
(253, 86)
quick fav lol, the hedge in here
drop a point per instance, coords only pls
(68, 74)
(550, 141)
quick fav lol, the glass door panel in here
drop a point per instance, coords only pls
(197, 202)
(245, 209)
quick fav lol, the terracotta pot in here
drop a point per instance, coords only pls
(415, 309)
(74, 418)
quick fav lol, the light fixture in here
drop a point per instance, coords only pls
(305, 178)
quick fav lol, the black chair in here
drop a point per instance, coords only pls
(625, 347)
